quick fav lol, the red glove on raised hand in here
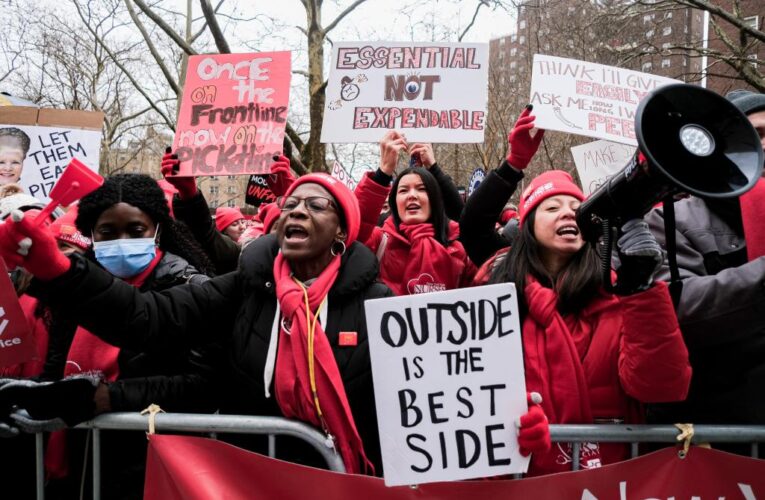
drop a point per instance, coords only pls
(534, 431)
(523, 147)
(281, 177)
(186, 186)
(24, 244)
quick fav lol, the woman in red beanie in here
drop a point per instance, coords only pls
(417, 246)
(592, 355)
(292, 295)
(230, 221)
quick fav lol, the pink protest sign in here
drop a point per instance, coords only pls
(16, 342)
(233, 113)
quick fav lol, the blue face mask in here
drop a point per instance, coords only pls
(126, 257)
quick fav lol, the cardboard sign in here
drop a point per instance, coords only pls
(597, 161)
(258, 191)
(42, 142)
(233, 113)
(589, 99)
(16, 344)
(449, 383)
(476, 178)
(339, 173)
(432, 92)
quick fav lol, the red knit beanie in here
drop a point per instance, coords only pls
(64, 229)
(545, 185)
(268, 214)
(345, 198)
(225, 216)
(506, 215)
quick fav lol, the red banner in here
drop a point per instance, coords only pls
(16, 344)
(189, 468)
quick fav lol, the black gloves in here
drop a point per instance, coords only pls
(49, 406)
(640, 256)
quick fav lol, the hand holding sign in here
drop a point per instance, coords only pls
(186, 186)
(391, 145)
(76, 181)
(281, 177)
(523, 146)
(24, 242)
(533, 428)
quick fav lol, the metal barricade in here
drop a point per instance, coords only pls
(192, 422)
(273, 426)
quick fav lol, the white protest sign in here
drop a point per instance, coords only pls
(431, 92)
(449, 383)
(339, 173)
(597, 161)
(45, 141)
(589, 99)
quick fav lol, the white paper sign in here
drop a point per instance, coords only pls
(449, 384)
(50, 150)
(339, 173)
(589, 99)
(597, 161)
(431, 92)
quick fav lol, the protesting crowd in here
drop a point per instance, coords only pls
(135, 298)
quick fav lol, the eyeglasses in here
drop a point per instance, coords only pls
(313, 203)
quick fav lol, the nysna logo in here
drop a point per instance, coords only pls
(424, 283)
(3, 325)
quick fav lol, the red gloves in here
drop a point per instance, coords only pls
(523, 147)
(186, 186)
(24, 244)
(534, 431)
(281, 177)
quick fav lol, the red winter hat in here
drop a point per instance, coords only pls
(545, 185)
(506, 215)
(345, 198)
(64, 229)
(268, 214)
(225, 216)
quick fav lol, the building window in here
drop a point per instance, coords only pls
(522, 40)
(647, 66)
(665, 63)
(513, 51)
(570, 43)
(547, 47)
(512, 78)
(665, 45)
(753, 22)
(501, 79)
(753, 59)
(647, 18)
(501, 54)
(667, 30)
(231, 190)
(502, 41)
(649, 33)
(214, 190)
(668, 15)
(231, 203)
(513, 65)
(513, 38)
(522, 25)
(232, 177)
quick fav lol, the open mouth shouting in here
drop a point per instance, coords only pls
(568, 231)
(295, 233)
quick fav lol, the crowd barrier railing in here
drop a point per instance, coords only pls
(274, 426)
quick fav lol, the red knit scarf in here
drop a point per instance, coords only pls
(752, 215)
(293, 378)
(553, 351)
(89, 353)
(428, 266)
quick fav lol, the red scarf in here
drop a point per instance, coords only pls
(429, 266)
(553, 351)
(752, 215)
(293, 378)
(89, 353)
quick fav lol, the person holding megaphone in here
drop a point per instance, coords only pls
(594, 356)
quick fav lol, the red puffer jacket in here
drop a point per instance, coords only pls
(393, 249)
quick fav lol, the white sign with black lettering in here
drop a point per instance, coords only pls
(597, 161)
(449, 384)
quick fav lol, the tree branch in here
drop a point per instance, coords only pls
(481, 3)
(212, 22)
(340, 16)
(152, 49)
(165, 27)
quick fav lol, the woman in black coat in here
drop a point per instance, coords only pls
(259, 313)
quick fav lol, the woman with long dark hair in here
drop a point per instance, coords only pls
(417, 246)
(593, 355)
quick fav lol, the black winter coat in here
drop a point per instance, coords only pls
(238, 310)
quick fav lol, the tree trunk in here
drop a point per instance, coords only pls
(314, 154)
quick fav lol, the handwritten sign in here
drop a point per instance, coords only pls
(233, 113)
(597, 161)
(449, 383)
(16, 344)
(589, 99)
(339, 173)
(258, 191)
(38, 144)
(432, 92)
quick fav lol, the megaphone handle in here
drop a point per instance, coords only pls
(53, 204)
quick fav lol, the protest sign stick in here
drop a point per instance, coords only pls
(76, 181)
